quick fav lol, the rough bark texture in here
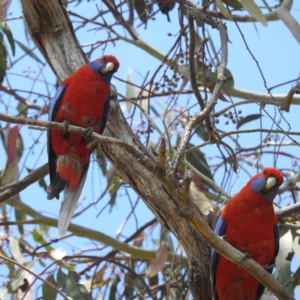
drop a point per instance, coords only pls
(51, 31)
(159, 200)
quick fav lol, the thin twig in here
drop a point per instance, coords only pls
(136, 153)
(152, 123)
(14, 188)
(198, 119)
(289, 98)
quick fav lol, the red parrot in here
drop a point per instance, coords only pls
(249, 224)
(80, 100)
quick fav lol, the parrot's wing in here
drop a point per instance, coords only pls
(277, 236)
(69, 203)
(51, 154)
(105, 115)
(219, 230)
(261, 288)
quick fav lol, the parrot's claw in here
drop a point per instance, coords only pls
(66, 125)
(269, 267)
(246, 256)
(224, 237)
(89, 131)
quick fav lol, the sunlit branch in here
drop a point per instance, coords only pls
(135, 252)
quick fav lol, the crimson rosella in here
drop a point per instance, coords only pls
(80, 100)
(248, 223)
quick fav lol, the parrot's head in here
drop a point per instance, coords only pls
(266, 183)
(106, 66)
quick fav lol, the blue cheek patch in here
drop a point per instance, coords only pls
(258, 185)
(99, 65)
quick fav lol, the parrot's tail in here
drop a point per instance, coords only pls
(70, 169)
(69, 203)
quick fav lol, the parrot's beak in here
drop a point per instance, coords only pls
(108, 67)
(271, 181)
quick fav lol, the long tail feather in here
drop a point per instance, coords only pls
(69, 205)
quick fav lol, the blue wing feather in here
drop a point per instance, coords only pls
(105, 115)
(51, 154)
(219, 230)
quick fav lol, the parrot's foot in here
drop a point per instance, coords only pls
(66, 124)
(246, 256)
(224, 237)
(269, 267)
(88, 132)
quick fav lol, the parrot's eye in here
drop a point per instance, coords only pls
(264, 172)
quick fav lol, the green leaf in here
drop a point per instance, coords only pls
(128, 283)
(21, 107)
(198, 43)
(140, 7)
(113, 288)
(296, 246)
(248, 119)
(6, 29)
(154, 111)
(229, 83)
(101, 160)
(48, 292)
(233, 3)
(20, 216)
(283, 260)
(184, 70)
(224, 11)
(2, 61)
(3, 56)
(80, 290)
(166, 238)
(201, 131)
(254, 10)
(72, 287)
(61, 278)
(4, 214)
(39, 239)
(167, 113)
(158, 263)
(28, 51)
(17, 280)
(42, 184)
(198, 160)
(130, 92)
(15, 250)
(114, 184)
